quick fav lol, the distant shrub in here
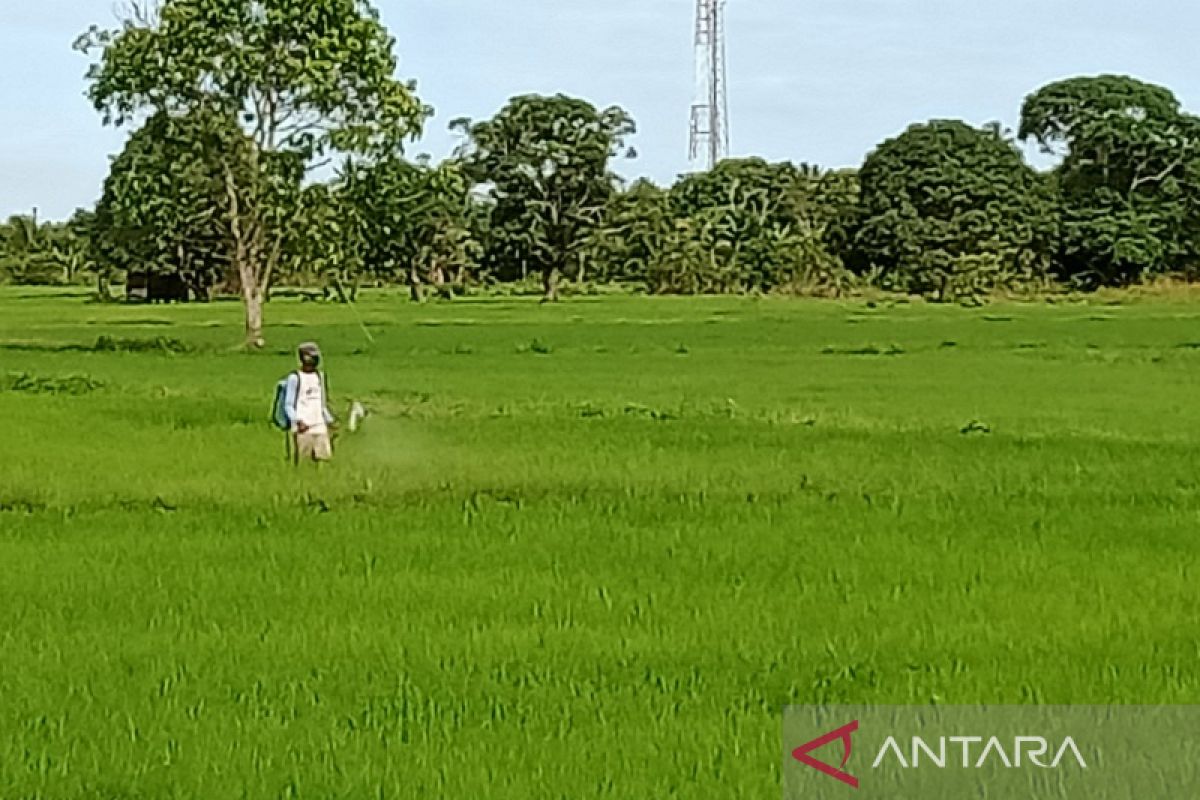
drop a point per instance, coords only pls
(536, 346)
(37, 384)
(159, 344)
(866, 350)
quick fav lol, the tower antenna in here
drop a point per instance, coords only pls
(709, 141)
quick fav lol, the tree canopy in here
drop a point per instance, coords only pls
(948, 210)
(763, 224)
(165, 208)
(236, 105)
(1129, 180)
(303, 79)
(545, 161)
(418, 223)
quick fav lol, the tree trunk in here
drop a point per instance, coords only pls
(252, 299)
(550, 285)
(339, 289)
(414, 285)
(103, 289)
(440, 285)
(253, 275)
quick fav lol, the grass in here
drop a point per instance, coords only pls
(581, 551)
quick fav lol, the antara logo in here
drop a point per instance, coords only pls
(845, 734)
(976, 752)
(1025, 751)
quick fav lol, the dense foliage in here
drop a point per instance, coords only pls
(239, 103)
(416, 223)
(950, 211)
(299, 81)
(545, 162)
(35, 252)
(1129, 180)
(165, 207)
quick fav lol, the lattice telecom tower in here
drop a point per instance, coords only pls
(710, 111)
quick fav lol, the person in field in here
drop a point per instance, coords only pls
(307, 408)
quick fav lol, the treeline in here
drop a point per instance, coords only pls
(34, 253)
(268, 149)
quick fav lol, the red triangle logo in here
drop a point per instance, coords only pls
(843, 734)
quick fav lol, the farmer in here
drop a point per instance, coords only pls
(307, 408)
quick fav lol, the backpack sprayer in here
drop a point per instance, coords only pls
(280, 416)
(310, 353)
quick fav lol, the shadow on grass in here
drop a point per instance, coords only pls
(866, 350)
(161, 345)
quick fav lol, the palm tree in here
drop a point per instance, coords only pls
(27, 251)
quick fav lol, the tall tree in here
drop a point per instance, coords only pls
(326, 242)
(764, 223)
(415, 221)
(165, 208)
(304, 79)
(546, 162)
(1129, 178)
(951, 211)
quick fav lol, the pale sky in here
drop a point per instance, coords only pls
(821, 81)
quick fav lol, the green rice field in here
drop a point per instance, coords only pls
(581, 551)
